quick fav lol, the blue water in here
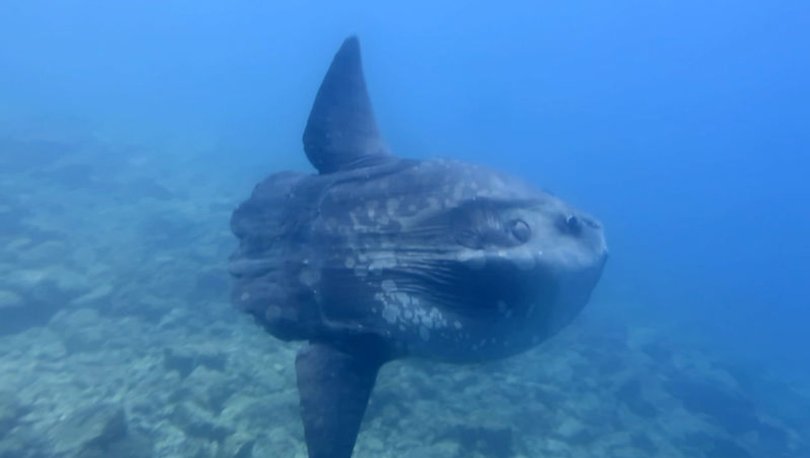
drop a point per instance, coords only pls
(684, 126)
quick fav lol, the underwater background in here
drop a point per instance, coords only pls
(129, 131)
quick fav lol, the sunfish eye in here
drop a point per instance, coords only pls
(520, 230)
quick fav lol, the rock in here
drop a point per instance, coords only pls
(96, 295)
(9, 300)
(26, 279)
(447, 448)
(570, 429)
(630, 393)
(147, 306)
(728, 449)
(185, 360)
(716, 447)
(198, 422)
(148, 188)
(81, 330)
(249, 413)
(728, 408)
(280, 442)
(163, 229)
(211, 284)
(40, 294)
(489, 442)
(642, 442)
(16, 313)
(46, 252)
(556, 447)
(375, 445)
(174, 320)
(10, 413)
(19, 156)
(93, 430)
(237, 446)
(54, 283)
(208, 388)
(657, 351)
(23, 443)
(11, 219)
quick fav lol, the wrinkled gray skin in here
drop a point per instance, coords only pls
(441, 259)
(378, 257)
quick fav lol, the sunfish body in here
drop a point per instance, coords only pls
(377, 257)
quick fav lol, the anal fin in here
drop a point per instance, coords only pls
(334, 387)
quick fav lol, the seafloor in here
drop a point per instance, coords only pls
(117, 340)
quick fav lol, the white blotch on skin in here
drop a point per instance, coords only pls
(361, 271)
(458, 192)
(472, 259)
(388, 286)
(390, 313)
(392, 205)
(308, 277)
(383, 262)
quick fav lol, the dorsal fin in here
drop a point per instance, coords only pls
(341, 132)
